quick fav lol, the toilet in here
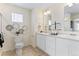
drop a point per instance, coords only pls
(19, 45)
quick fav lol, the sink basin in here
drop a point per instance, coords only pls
(66, 36)
(62, 35)
(53, 33)
(45, 33)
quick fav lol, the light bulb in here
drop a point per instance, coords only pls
(45, 13)
(69, 4)
(48, 12)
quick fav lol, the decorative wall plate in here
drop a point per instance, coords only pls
(9, 27)
(21, 31)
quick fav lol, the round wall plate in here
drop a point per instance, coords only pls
(9, 27)
(21, 31)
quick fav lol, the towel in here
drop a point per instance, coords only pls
(1, 40)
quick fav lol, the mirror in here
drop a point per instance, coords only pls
(71, 17)
(47, 19)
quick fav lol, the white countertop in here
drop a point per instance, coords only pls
(68, 37)
(65, 36)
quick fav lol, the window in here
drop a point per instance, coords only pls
(16, 17)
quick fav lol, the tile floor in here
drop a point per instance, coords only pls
(26, 51)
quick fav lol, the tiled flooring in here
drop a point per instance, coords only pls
(26, 51)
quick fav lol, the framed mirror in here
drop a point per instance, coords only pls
(47, 19)
(71, 17)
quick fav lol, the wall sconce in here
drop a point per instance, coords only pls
(47, 12)
(70, 4)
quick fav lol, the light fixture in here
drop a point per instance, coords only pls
(47, 12)
(69, 4)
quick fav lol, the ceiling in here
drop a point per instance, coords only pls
(32, 5)
(72, 9)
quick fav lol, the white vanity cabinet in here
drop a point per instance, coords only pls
(62, 47)
(74, 48)
(57, 45)
(46, 43)
(67, 47)
(41, 42)
(50, 45)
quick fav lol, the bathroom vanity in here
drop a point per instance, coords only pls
(58, 45)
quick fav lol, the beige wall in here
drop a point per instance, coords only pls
(6, 10)
(58, 13)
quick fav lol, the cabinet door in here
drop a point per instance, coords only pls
(61, 47)
(41, 42)
(50, 46)
(74, 48)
